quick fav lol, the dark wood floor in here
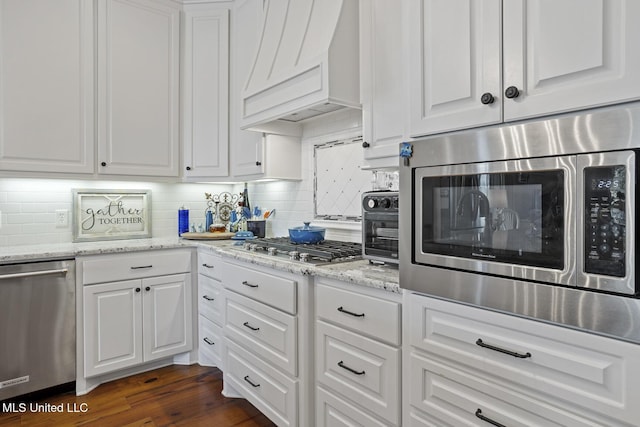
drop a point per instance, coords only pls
(171, 396)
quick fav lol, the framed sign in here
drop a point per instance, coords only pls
(111, 214)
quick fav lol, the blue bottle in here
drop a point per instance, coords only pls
(209, 220)
(183, 220)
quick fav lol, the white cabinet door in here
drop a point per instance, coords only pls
(210, 299)
(274, 394)
(138, 82)
(205, 92)
(474, 63)
(381, 83)
(265, 330)
(112, 326)
(210, 343)
(454, 59)
(561, 368)
(366, 371)
(167, 316)
(333, 411)
(247, 146)
(46, 86)
(570, 54)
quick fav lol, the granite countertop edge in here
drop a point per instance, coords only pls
(358, 272)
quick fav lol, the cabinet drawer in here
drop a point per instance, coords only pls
(210, 301)
(269, 332)
(581, 368)
(210, 265)
(209, 343)
(364, 370)
(134, 265)
(364, 314)
(448, 396)
(333, 411)
(276, 291)
(273, 393)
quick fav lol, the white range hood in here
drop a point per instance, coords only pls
(307, 64)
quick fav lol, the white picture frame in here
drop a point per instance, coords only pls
(111, 214)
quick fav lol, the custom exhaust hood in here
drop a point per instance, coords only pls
(306, 64)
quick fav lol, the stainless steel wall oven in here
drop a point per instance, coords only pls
(536, 219)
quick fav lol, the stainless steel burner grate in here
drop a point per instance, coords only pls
(327, 250)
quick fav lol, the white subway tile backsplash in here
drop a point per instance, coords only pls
(8, 208)
(28, 207)
(19, 218)
(294, 200)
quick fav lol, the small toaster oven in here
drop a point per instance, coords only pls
(380, 226)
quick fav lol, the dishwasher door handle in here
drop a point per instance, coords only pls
(33, 273)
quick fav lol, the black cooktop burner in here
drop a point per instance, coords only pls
(327, 250)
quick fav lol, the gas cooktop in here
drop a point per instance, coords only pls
(326, 251)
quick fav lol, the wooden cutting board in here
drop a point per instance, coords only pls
(208, 236)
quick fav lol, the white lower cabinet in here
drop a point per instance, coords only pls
(268, 345)
(135, 321)
(336, 412)
(269, 390)
(469, 366)
(211, 307)
(366, 371)
(131, 322)
(452, 397)
(210, 339)
(266, 330)
(358, 355)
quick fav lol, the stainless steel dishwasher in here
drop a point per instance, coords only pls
(37, 326)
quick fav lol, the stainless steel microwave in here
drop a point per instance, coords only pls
(534, 218)
(559, 220)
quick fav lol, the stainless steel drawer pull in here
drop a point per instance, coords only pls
(141, 267)
(244, 282)
(487, 419)
(208, 298)
(33, 273)
(246, 324)
(342, 310)
(247, 379)
(207, 265)
(502, 350)
(353, 371)
(208, 341)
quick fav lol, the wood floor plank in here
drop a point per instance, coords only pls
(170, 396)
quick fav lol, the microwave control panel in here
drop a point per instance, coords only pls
(605, 217)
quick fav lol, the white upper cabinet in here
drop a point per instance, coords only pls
(205, 91)
(480, 62)
(381, 82)
(253, 154)
(454, 59)
(138, 83)
(570, 54)
(246, 146)
(46, 86)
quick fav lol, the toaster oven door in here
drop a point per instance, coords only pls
(380, 236)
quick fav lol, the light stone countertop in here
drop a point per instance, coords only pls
(358, 272)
